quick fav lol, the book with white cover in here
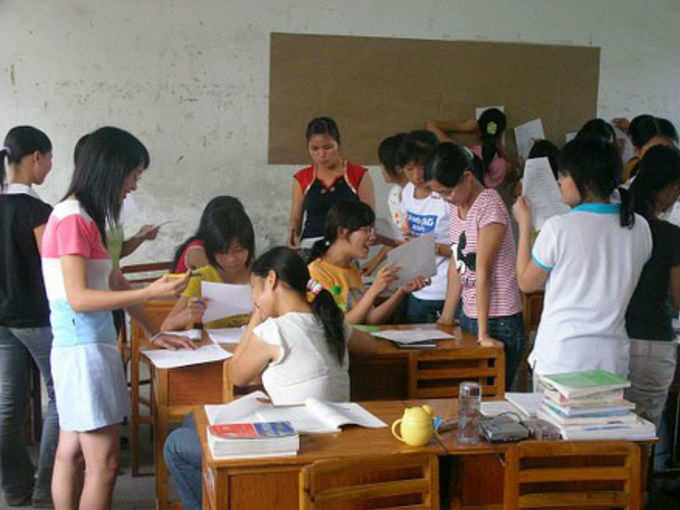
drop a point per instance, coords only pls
(637, 430)
(313, 416)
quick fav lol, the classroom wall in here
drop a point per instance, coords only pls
(191, 79)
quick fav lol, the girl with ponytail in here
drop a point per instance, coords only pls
(648, 319)
(297, 341)
(25, 332)
(593, 257)
(490, 150)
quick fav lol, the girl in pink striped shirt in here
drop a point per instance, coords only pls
(482, 270)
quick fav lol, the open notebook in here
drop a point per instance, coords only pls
(313, 417)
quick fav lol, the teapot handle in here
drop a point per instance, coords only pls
(394, 430)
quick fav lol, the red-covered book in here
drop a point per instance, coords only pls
(257, 430)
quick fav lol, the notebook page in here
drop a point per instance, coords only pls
(241, 410)
(343, 413)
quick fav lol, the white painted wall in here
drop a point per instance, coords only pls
(190, 78)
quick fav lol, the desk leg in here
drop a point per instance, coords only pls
(160, 432)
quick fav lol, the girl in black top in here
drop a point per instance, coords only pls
(648, 322)
(24, 315)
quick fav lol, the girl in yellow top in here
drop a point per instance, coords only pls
(347, 238)
(229, 244)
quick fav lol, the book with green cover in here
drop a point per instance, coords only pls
(368, 328)
(581, 384)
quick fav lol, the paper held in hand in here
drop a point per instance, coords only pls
(225, 300)
(543, 192)
(526, 134)
(416, 258)
(314, 416)
(387, 229)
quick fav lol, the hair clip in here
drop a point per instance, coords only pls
(7, 150)
(492, 128)
(314, 287)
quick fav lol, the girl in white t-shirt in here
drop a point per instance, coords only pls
(297, 340)
(591, 258)
(297, 336)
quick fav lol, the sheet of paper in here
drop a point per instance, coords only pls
(225, 300)
(388, 229)
(226, 335)
(308, 243)
(164, 358)
(543, 192)
(496, 407)
(409, 336)
(569, 136)
(192, 334)
(240, 410)
(416, 258)
(527, 403)
(480, 109)
(628, 149)
(526, 134)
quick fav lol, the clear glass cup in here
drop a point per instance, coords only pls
(469, 403)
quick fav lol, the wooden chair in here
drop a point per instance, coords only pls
(157, 311)
(396, 482)
(439, 374)
(568, 474)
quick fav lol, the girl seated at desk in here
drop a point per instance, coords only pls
(191, 253)
(229, 247)
(348, 235)
(297, 339)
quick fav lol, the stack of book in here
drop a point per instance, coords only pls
(244, 440)
(590, 405)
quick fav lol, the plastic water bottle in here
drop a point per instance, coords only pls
(469, 402)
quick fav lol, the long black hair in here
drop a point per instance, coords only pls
(659, 168)
(492, 123)
(293, 272)
(349, 214)
(107, 156)
(448, 162)
(595, 167)
(22, 141)
(545, 149)
(223, 221)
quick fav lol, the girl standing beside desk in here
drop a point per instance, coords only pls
(89, 381)
(329, 180)
(590, 260)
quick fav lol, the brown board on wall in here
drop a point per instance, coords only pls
(377, 86)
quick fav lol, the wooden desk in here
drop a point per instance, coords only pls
(475, 482)
(273, 483)
(175, 392)
(393, 373)
(385, 374)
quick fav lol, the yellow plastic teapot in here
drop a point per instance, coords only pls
(417, 426)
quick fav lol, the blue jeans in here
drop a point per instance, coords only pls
(420, 311)
(17, 347)
(182, 452)
(510, 331)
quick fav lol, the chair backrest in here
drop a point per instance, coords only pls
(396, 481)
(157, 311)
(532, 309)
(153, 267)
(438, 374)
(572, 474)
